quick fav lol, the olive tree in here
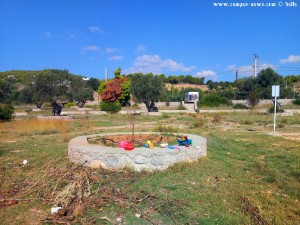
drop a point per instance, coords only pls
(59, 87)
(146, 89)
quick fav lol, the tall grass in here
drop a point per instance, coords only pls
(166, 129)
(40, 127)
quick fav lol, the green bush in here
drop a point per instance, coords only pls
(47, 105)
(6, 112)
(69, 104)
(248, 121)
(213, 100)
(297, 101)
(181, 107)
(198, 123)
(271, 110)
(239, 106)
(166, 129)
(165, 116)
(110, 107)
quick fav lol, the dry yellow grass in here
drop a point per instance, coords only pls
(35, 126)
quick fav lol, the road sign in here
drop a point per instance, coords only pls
(275, 90)
(275, 93)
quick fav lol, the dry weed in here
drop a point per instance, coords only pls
(40, 127)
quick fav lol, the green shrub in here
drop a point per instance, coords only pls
(284, 121)
(110, 107)
(213, 100)
(166, 129)
(181, 107)
(239, 106)
(6, 112)
(47, 105)
(165, 116)
(297, 101)
(271, 110)
(248, 121)
(69, 104)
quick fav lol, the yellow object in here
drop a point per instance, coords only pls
(148, 142)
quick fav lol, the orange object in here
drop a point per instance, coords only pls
(151, 145)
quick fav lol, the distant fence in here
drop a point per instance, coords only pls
(264, 102)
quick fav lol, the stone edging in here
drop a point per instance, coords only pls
(80, 151)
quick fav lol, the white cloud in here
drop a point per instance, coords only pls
(154, 64)
(291, 59)
(89, 48)
(207, 74)
(111, 50)
(141, 48)
(95, 29)
(248, 70)
(116, 57)
(264, 66)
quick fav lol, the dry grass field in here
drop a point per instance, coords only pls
(248, 177)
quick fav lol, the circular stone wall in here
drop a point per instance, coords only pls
(141, 158)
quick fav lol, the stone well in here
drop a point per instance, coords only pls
(80, 151)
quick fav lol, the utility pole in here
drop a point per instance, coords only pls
(106, 74)
(236, 75)
(255, 58)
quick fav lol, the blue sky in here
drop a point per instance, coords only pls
(161, 36)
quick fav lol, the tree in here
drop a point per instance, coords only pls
(93, 83)
(147, 89)
(264, 81)
(6, 112)
(116, 89)
(101, 87)
(39, 90)
(253, 98)
(80, 91)
(112, 91)
(125, 89)
(6, 91)
(212, 85)
(246, 86)
(117, 72)
(163, 78)
(58, 87)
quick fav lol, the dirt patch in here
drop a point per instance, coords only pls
(138, 139)
(253, 211)
(290, 136)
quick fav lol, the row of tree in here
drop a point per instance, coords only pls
(59, 87)
(55, 86)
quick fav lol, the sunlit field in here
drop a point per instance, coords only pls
(248, 177)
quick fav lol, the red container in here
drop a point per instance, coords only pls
(129, 146)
